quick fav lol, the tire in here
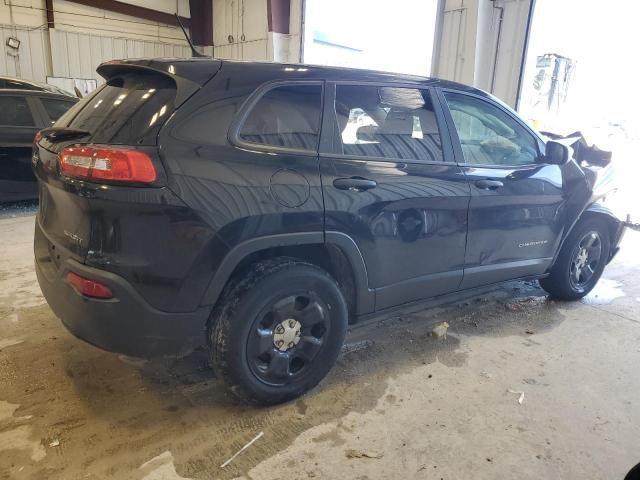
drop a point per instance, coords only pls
(277, 331)
(575, 273)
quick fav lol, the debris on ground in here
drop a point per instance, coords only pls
(351, 453)
(517, 392)
(356, 346)
(242, 450)
(55, 443)
(440, 330)
(485, 374)
(525, 304)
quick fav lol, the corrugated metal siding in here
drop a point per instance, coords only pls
(76, 55)
(231, 20)
(452, 46)
(462, 39)
(510, 53)
(31, 60)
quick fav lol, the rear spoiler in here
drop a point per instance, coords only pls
(189, 75)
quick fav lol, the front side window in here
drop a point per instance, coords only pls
(15, 112)
(287, 117)
(387, 122)
(488, 135)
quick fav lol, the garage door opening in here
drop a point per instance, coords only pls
(578, 75)
(371, 34)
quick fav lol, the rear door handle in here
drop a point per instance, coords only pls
(486, 184)
(355, 184)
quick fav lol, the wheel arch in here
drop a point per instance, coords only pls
(597, 210)
(334, 252)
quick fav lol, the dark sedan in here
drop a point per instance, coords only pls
(22, 114)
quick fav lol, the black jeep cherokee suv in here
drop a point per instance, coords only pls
(256, 209)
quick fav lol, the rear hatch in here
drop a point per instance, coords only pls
(125, 114)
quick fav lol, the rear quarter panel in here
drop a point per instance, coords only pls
(239, 193)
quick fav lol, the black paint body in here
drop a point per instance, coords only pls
(168, 249)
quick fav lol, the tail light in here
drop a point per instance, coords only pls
(88, 288)
(117, 164)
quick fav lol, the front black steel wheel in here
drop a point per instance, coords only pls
(580, 262)
(278, 331)
(586, 258)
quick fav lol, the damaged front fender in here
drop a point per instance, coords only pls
(615, 224)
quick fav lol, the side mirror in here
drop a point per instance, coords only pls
(557, 153)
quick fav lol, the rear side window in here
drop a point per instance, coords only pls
(388, 122)
(287, 117)
(15, 111)
(55, 108)
(130, 109)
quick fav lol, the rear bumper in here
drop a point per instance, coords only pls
(124, 324)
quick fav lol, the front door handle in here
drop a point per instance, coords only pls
(486, 184)
(354, 184)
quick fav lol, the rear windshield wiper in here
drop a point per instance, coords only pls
(57, 134)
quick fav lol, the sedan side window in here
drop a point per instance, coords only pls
(55, 108)
(388, 122)
(15, 112)
(488, 135)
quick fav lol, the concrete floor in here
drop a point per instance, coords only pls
(414, 407)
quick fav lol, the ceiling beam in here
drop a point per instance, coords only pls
(135, 11)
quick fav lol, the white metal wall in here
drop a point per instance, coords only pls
(510, 50)
(73, 54)
(241, 32)
(469, 45)
(84, 38)
(76, 55)
(31, 60)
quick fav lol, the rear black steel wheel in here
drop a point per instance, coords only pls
(580, 262)
(278, 331)
(287, 337)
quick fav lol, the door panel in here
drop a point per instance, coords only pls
(517, 202)
(515, 229)
(408, 216)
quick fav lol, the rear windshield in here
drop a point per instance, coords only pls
(129, 109)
